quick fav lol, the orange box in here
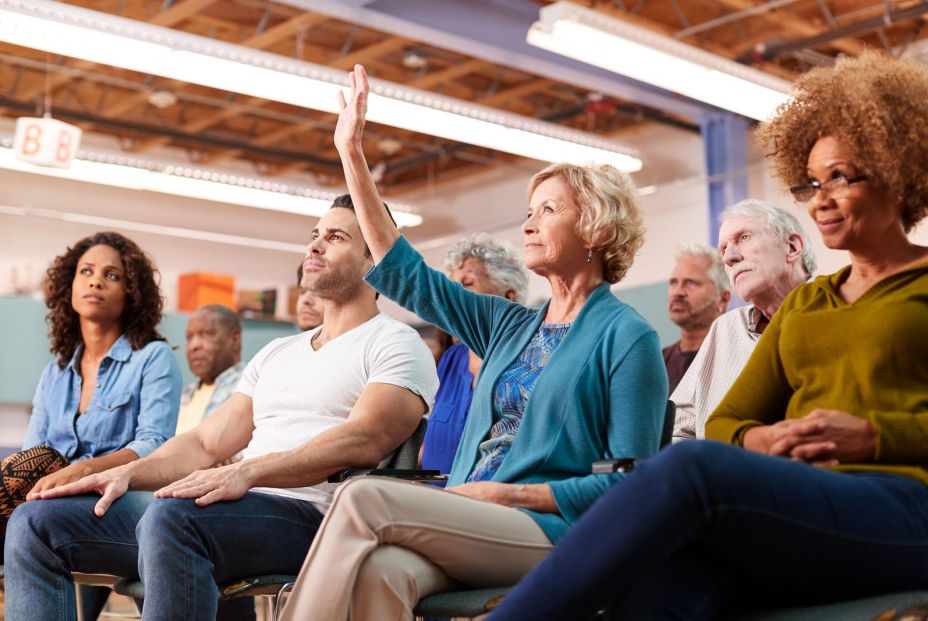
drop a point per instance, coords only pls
(200, 288)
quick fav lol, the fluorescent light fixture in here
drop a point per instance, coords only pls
(598, 39)
(59, 28)
(212, 185)
(154, 229)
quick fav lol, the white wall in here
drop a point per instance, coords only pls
(493, 202)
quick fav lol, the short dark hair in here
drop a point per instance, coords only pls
(224, 316)
(299, 275)
(344, 201)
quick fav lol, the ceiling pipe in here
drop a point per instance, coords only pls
(770, 52)
(190, 140)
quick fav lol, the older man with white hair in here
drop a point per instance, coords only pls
(766, 255)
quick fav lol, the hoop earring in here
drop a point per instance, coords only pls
(589, 255)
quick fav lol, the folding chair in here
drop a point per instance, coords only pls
(470, 603)
(401, 464)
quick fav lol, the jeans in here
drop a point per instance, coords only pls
(181, 551)
(702, 525)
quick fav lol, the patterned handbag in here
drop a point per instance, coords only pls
(21, 471)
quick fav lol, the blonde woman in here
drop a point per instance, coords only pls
(577, 380)
(819, 490)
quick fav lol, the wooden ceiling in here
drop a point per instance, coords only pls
(213, 127)
(782, 37)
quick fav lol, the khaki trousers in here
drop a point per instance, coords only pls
(385, 544)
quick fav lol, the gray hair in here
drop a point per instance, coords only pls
(780, 222)
(504, 267)
(716, 271)
(224, 316)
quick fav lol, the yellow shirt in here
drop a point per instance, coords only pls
(191, 413)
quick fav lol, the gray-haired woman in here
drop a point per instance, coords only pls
(482, 265)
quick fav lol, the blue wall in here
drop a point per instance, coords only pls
(24, 340)
(24, 344)
(651, 302)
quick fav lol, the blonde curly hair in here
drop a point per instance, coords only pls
(611, 217)
(874, 104)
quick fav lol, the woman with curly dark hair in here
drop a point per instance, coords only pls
(816, 488)
(113, 393)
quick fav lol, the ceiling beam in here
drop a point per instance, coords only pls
(176, 14)
(494, 31)
(185, 139)
(830, 37)
(796, 24)
(664, 29)
(515, 92)
(368, 53)
(283, 30)
(180, 11)
(457, 70)
(263, 40)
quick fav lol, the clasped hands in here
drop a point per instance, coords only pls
(821, 438)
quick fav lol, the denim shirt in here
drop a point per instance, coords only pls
(134, 405)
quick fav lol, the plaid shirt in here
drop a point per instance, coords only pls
(225, 386)
(723, 354)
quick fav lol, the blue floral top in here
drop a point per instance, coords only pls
(511, 395)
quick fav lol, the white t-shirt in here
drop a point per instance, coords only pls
(298, 393)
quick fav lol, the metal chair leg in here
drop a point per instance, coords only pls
(79, 601)
(277, 598)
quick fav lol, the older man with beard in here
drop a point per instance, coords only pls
(699, 292)
(766, 255)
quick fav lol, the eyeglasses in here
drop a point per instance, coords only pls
(833, 188)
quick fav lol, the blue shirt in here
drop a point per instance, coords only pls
(511, 396)
(602, 394)
(134, 404)
(446, 423)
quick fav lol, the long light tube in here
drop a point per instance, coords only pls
(598, 39)
(122, 172)
(110, 40)
(154, 229)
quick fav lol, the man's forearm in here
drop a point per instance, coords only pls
(346, 446)
(175, 459)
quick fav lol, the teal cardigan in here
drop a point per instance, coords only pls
(601, 395)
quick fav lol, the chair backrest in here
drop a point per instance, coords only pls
(670, 416)
(406, 457)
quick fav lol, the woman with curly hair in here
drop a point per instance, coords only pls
(815, 488)
(113, 393)
(560, 386)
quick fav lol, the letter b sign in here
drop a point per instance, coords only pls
(46, 142)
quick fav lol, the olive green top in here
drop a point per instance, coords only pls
(868, 358)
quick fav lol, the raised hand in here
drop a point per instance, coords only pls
(209, 486)
(350, 127)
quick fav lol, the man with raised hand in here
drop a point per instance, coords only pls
(345, 394)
